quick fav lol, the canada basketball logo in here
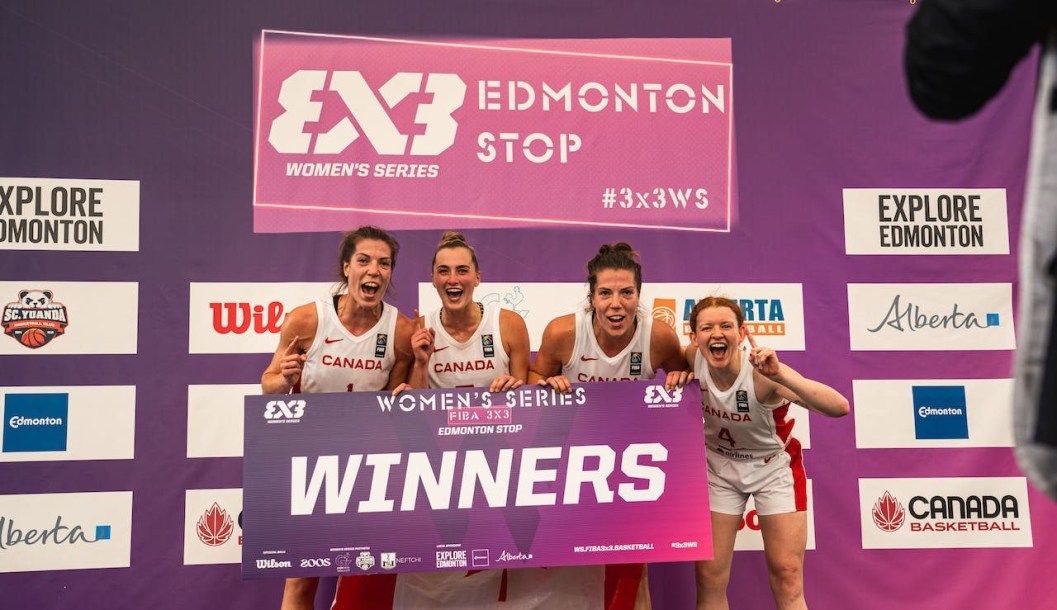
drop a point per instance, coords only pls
(888, 513)
(34, 319)
(215, 526)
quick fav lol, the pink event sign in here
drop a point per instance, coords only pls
(410, 134)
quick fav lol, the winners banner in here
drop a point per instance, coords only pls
(504, 133)
(364, 482)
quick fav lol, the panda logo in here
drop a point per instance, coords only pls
(35, 298)
(35, 318)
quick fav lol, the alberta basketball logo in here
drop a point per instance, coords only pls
(34, 319)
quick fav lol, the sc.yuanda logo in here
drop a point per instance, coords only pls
(34, 319)
(888, 513)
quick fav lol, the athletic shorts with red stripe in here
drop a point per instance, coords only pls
(777, 484)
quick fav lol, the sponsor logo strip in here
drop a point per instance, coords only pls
(65, 531)
(212, 526)
(931, 317)
(907, 413)
(77, 215)
(964, 512)
(925, 221)
(244, 318)
(67, 423)
(48, 317)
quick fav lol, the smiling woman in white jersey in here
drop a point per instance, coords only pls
(352, 341)
(745, 398)
(465, 343)
(613, 340)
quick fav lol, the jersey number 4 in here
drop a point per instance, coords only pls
(724, 434)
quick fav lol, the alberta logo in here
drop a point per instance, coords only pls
(763, 316)
(34, 319)
(888, 513)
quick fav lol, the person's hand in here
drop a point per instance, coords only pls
(763, 358)
(292, 362)
(422, 341)
(677, 379)
(558, 382)
(401, 388)
(504, 383)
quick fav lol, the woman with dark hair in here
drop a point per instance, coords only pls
(612, 340)
(745, 396)
(323, 345)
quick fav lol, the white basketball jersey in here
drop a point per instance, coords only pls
(474, 362)
(339, 361)
(737, 425)
(589, 363)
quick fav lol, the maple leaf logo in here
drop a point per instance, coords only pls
(215, 526)
(888, 513)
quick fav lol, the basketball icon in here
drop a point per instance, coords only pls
(33, 337)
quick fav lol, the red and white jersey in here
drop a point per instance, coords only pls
(471, 363)
(737, 425)
(589, 363)
(339, 361)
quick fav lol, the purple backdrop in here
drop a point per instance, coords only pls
(163, 94)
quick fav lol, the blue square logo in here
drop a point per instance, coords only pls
(992, 319)
(35, 422)
(940, 413)
(102, 532)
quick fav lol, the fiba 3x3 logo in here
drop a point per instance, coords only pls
(35, 318)
(287, 133)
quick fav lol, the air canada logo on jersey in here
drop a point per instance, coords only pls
(34, 320)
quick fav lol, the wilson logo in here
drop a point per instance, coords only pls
(371, 114)
(238, 318)
(888, 513)
(269, 564)
(215, 526)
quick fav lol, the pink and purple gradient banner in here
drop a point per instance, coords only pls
(366, 483)
(413, 134)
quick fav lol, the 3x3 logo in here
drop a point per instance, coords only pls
(284, 410)
(371, 115)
